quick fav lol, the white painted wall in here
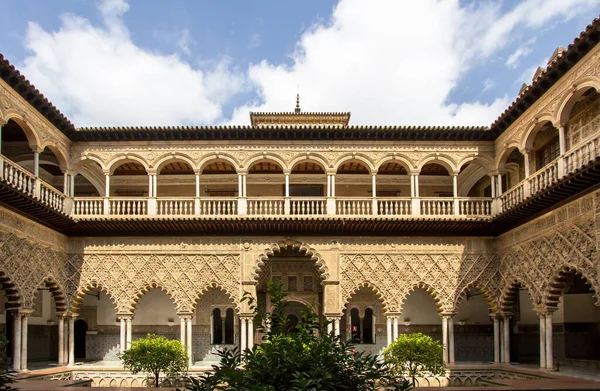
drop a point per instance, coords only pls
(105, 309)
(420, 308)
(155, 308)
(474, 310)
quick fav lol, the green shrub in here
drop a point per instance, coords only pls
(415, 354)
(294, 358)
(155, 354)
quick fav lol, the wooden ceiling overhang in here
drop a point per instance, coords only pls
(287, 133)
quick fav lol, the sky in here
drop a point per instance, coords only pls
(211, 62)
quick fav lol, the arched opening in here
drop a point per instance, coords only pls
(435, 181)
(15, 145)
(216, 324)
(420, 314)
(129, 179)
(294, 313)
(265, 188)
(365, 320)
(353, 179)
(582, 116)
(176, 179)
(50, 171)
(81, 328)
(545, 146)
(524, 330)
(218, 179)
(155, 313)
(576, 322)
(90, 180)
(473, 328)
(300, 279)
(513, 169)
(308, 179)
(101, 342)
(474, 181)
(393, 180)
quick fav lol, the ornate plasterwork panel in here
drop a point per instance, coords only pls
(394, 276)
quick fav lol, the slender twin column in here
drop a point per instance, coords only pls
(334, 325)
(125, 332)
(392, 328)
(66, 339)
(20, 328)
(246, 332)
(502, 338)
(546, 342)
(185, 334)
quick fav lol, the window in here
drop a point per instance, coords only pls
(222, 326)
(548, 153)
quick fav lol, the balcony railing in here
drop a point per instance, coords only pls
(23, 181)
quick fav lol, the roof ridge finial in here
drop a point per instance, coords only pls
(297, 110)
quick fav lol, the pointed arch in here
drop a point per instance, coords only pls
(557, 285)
(302, 247)
(435, 295)
(506, 300)
(56, 290)
(13, 295)
(365, 285)
(77, 300)
(215, 285)
(493, 306)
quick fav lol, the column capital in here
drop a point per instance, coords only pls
(185, 316)
(414, 172)
(242, 171)
(287, 171)
(448, 315)
(26, 313)
(124, 316)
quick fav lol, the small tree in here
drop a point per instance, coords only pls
(415, 354)
(155, 354)
(296, 357)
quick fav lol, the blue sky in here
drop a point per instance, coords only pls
(146, 62)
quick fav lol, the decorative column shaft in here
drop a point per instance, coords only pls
(336, 326)
(395, 330)
(61, 340)
(287, 185)
(72, 187)
(454, 185)
(122, 334)
(549, 344)
(542, 340)
(189, 339)
(197, 184)
(243, 334)
(451, 340)
(72, 340)
(24, 329)
(500, 191)
(417, 192)
(16, 355)
(493, 184)
(129, 332)
(389, 330)
(562, 139)
(496, 340)
(107, 184)
(445, 338)
(36, 164)
(506, 339)
(182, 331)
(250, 333)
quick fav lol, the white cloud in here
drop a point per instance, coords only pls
(98, 76)
(488, 84)
(391, 62)
(513, 60)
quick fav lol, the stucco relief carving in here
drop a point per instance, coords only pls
(394, 276)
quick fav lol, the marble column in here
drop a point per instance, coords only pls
(395, 329)
(336, 326)
(24, 329)
(182, 330)
(549, 342)
(61, 340)
(16, 355)
(122, 334)
(389, 331)
(451, 340)
(243, 334)
(506, 339)
(542, 340)
(250, 333)
(562, 139)
(129, 332)
(36, 164)
(189, 339)
(496, 339)
(445, 338)
(71, 340)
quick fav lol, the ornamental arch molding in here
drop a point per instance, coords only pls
(435, 295)
(204, 291)
(403, 160)
(121, 158)
(509, 294)
(302, 247)
(247, 164)
(482, 161)
(440, 159)
(148, 286)
(32, 137)
(165, 159)
(77, 300)
(532, 130)
(218, 156)
(90, 157)
(347, 298)
(503, 154)
(13, 295)
(360, 157)
(56, 290)
(491, 301)
(312, 157)
(568, 100)
(60, 153)
(557, 284)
